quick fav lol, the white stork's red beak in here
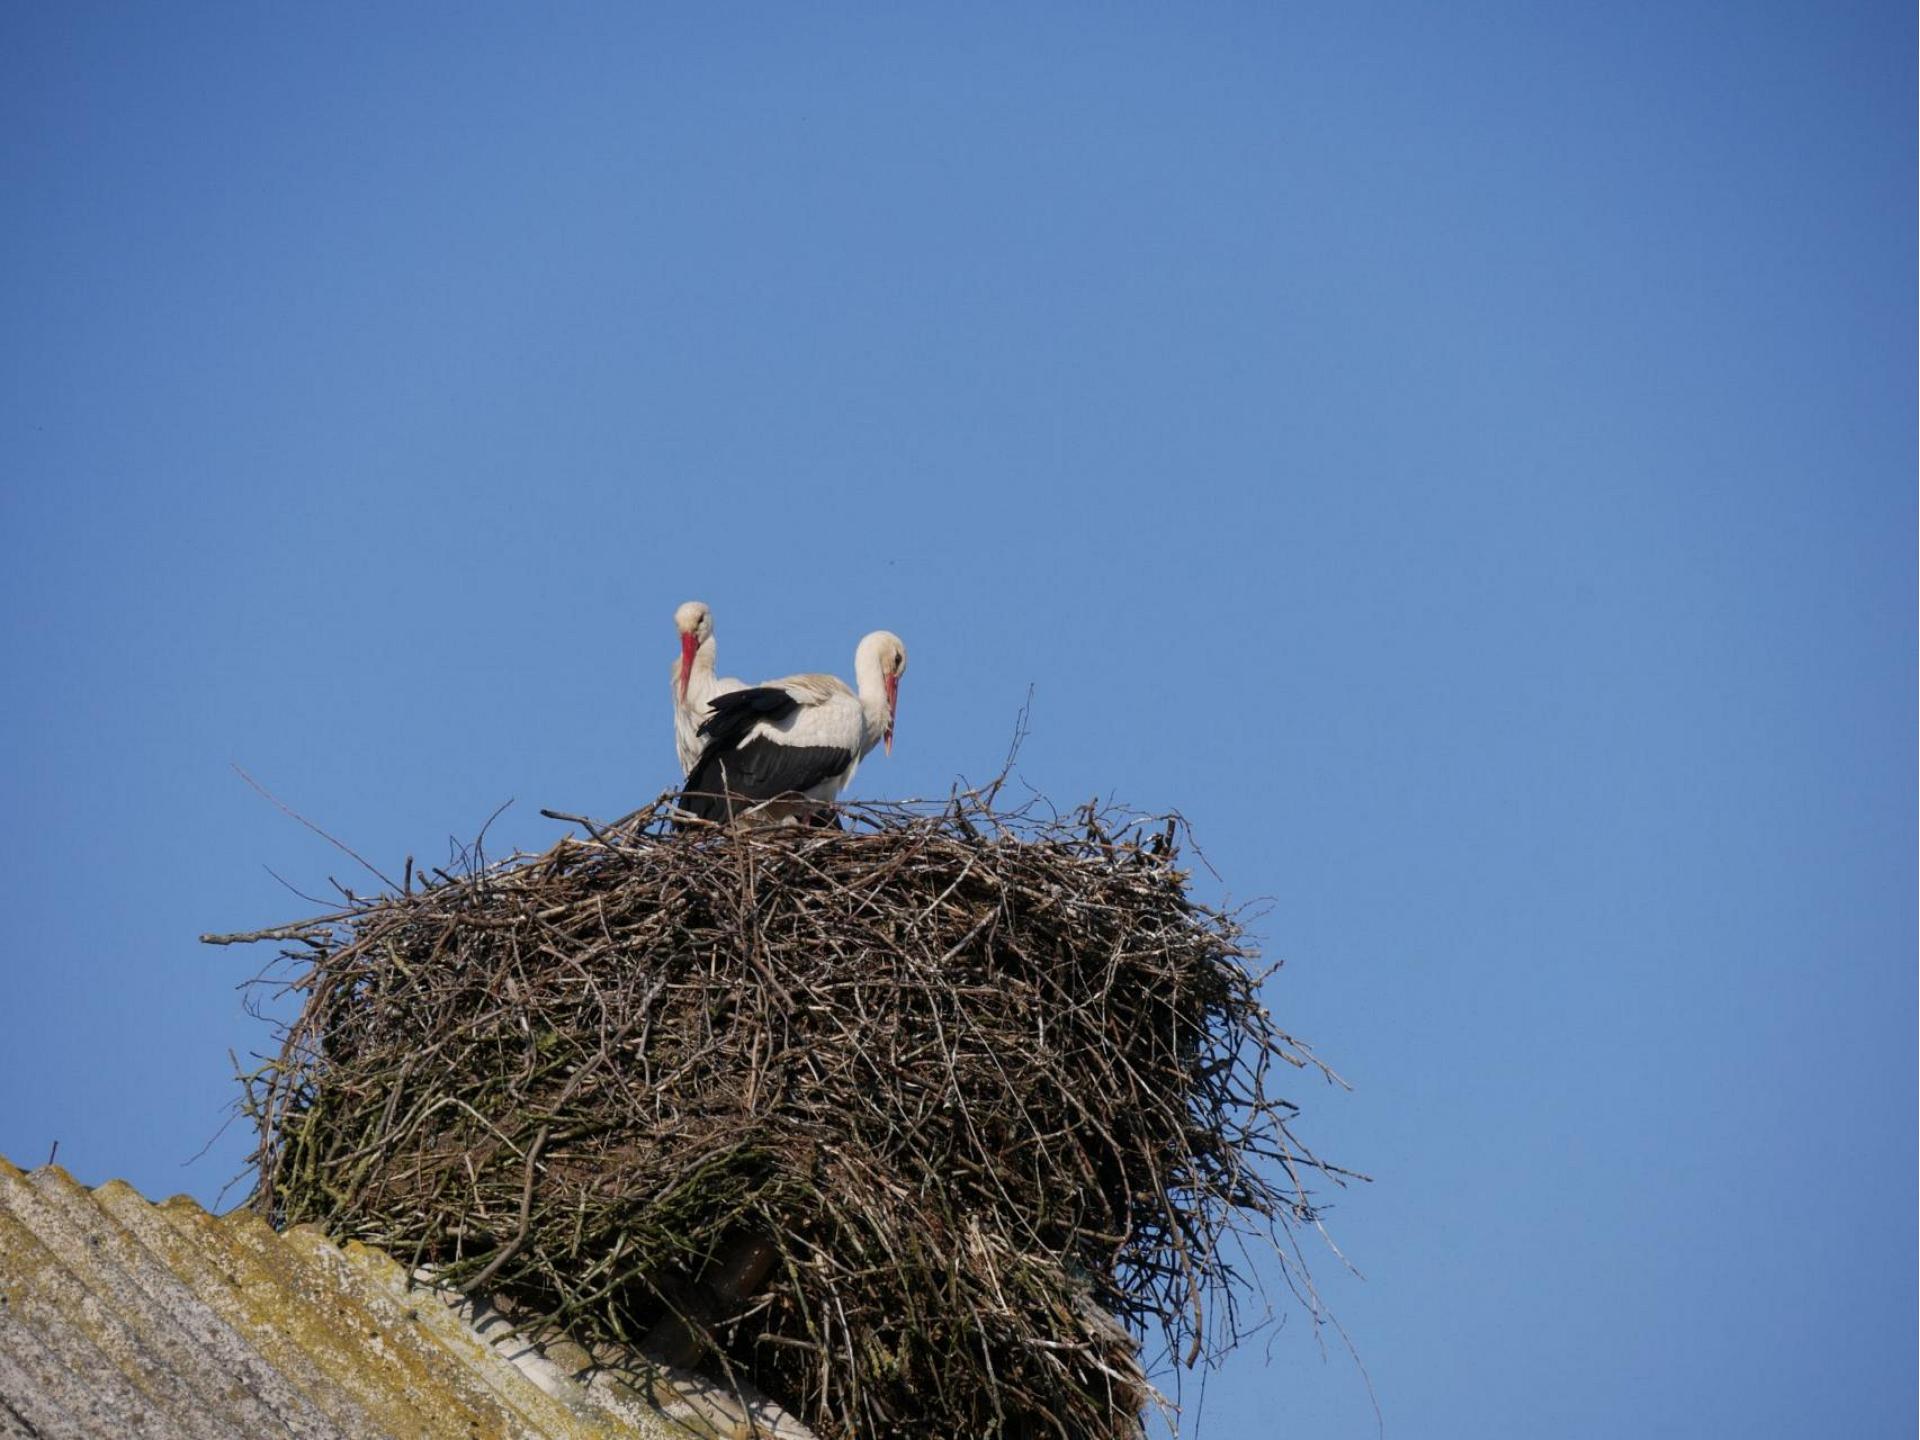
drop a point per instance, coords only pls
(689, 642)
(893, 704)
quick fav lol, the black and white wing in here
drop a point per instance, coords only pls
(766, 743)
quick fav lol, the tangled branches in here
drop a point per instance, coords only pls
(893, 1121)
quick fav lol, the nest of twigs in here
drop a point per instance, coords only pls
(892, 1121)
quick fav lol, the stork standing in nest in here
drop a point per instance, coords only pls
(694, 683)
(778, 750)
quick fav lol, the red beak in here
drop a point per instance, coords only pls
(893, 704)
(689, 642)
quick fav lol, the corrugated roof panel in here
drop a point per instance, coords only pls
(259, 1313)
(101, 1351)
(183, 1334)
(124, 1318)
(326, 1329)
(43, 1385)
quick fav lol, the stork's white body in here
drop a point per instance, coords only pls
(827, 716)
(779, 748)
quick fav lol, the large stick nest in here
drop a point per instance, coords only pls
(890, 1121)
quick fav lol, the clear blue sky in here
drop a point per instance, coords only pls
(1461, 455)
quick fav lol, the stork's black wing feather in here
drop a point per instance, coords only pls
(731, 775)
(729, 779)
(732, 715)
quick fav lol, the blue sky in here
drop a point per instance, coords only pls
(1461, 456)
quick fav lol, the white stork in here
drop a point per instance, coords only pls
(694, 683)
(777, 749)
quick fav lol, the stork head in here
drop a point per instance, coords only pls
(884, 655)
(695, 623)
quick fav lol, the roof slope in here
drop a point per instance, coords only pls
(120, 1317)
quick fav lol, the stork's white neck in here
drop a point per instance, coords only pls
(871, 677)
